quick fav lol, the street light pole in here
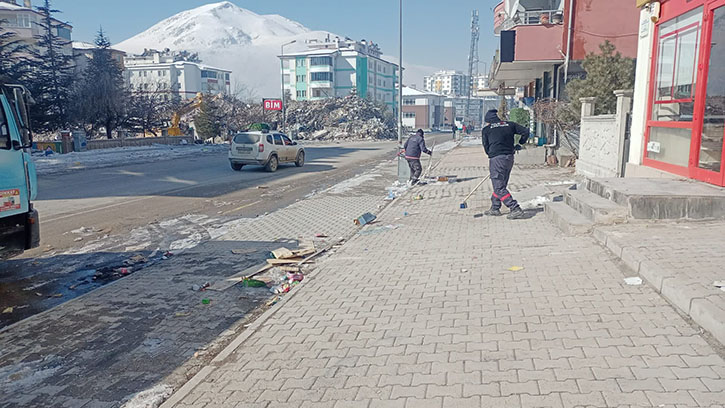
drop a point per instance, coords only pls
(284, 101)
(400, 97)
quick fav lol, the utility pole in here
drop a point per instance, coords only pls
(284, 98)
(472, 62)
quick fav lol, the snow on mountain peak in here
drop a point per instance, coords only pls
(230, 37)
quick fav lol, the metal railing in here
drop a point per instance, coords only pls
(536, 17)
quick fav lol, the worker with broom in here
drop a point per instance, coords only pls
(414, 148)
(500, 145)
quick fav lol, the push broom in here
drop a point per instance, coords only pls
(464, 204)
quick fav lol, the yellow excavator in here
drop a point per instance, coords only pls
(174, 129)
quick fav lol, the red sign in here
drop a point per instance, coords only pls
(273, 104)
(9, 200)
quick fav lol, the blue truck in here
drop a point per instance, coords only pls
(19, 223)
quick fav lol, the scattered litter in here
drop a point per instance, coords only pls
(205, 301)
(464, 270)
(79, 239)
(633, 281)
(57, 295)
(282, 253)
(366, 218)
(720, 285)
(136, 259)
(273, 301)
(8, 310)
(279, 289)
(38, 294)
(516, 268)
(321, 236)
(182, 314)
(253, 283)
(197, 288)
(418, 197)
(262, 187)
(124, 271)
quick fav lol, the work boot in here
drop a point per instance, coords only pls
(493, 212)
(516, 214)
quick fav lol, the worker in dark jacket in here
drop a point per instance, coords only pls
(500, 145)
(414, 147)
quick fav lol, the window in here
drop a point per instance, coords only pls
(300, 62)
(145, 73)
(317, 61)
(408, 101)
(321, 76)
(4, 131)
(246, 138)
(676, 74)
(317, 93)
(159, 73)
(409, 115)
(20, 21)
(286, 140)
(278, 140)
(269, 139)
(300, 78)
(286, 78)
(208, 74)
(64, 33)
(370, 65)
(301, 94)
(226, 76)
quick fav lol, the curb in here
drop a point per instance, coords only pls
(191, 384)
(690, 299)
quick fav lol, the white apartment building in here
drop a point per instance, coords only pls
(155, 71)
(334, 68)
(83, 54)
(449, 83)
(22, 20)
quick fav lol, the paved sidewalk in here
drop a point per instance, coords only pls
(681, 260)
(433, 314)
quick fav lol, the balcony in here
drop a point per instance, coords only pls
(503, 21)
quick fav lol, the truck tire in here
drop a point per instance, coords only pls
(272, 164)
(237, 166)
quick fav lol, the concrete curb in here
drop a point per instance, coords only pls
(706, 310)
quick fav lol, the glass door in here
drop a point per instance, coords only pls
(710, 156)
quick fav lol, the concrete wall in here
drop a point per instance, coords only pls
(143, 141)
(597, 20)
(603, 138)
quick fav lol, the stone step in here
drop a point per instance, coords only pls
(597, 209)
(567, 219)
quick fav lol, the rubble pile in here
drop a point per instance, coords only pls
(348, 118)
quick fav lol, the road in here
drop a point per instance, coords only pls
(92, 219)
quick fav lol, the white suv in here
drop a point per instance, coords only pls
(262, 148)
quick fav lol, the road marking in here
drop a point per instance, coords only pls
(240, 208)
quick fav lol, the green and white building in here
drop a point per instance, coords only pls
(335, 68)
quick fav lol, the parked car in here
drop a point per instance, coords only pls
(264, 148)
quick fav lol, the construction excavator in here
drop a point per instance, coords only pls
(174, 129)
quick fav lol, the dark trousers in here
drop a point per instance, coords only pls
(415, 169)
(500, 167)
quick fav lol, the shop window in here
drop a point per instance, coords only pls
(713, 127)
(676, 71)
(669, 145)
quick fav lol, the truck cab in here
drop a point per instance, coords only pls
(19, 224)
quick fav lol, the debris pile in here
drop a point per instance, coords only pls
(348, 118)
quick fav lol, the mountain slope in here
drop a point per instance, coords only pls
(230, 37)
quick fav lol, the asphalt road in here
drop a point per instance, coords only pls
(103, 206)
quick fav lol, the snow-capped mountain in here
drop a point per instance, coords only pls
(229, 37)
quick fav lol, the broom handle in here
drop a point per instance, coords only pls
(477, 187)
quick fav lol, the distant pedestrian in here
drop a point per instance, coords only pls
(414, 147)
(500, 145)
(454, 128)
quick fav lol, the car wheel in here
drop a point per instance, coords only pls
(272, 164)
(300, 159)
(237, 166)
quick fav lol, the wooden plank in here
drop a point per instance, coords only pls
(283, 253)
(304, 251)
(287, 261)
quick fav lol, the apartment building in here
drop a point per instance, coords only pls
(23, 21)
(156, 71)
(449, 83)
(422, 110)
(334, 68)
(83, 54)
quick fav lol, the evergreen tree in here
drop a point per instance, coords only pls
(13, 63)
(207, 121)
(606, 73)
(101, 97)
(51, 77)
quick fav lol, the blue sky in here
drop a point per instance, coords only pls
(437, 32)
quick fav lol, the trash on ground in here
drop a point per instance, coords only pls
(253, 283)
(205, 301)
(418, 197)
(284, 261)
(633, 281)
(279, 289)
(720, 285)
(262, 187)
(295, 277)
(516, 268)
(136, 259)
(366, 218)
(273, 301)
(79, 239)
(321, 236)
(57, 295)
(282, 253)
(289, 268)
(8, 310)
(197, 288)
(182, 314)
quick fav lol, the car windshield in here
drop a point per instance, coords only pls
(246, 138)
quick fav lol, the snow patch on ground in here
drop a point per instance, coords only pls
(472, 142)
(151, 398)
(535, 203)
(93, 159)
(351, 183)
(445, 146)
